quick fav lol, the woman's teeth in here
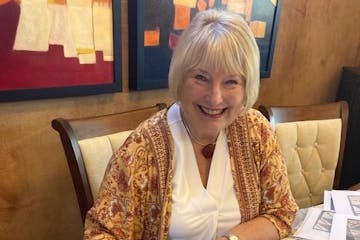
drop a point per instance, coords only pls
(212, 111)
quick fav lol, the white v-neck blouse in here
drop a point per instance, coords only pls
(199, 213)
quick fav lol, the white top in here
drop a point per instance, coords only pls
(199, 213)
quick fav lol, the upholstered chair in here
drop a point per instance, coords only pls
(312, 141)
(89, 144)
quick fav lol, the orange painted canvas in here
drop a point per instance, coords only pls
(201, 5)
(258, 28)
(182, 17)
(186, 3)
(151, 38)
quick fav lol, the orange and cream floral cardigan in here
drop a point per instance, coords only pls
(134, 200)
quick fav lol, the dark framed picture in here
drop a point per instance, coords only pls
(155, 26)
(53, 49)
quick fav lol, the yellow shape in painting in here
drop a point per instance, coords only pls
(258, 28)
(152, 38)
(186, 3)
(84, 50)
(86, 55)
(274, 2)
(60, 2)
(182, 17)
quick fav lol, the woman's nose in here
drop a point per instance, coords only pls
(215, 94)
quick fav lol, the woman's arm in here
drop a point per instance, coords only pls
(105, 220)
(120, 211)
(258, 228)
(277, 207)
(278, 204)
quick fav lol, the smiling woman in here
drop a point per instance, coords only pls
(209, 166)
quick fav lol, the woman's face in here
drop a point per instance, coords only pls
(211, 100)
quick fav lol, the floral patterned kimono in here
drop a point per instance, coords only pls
(134, 200)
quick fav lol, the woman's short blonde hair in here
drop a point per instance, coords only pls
(217, 40)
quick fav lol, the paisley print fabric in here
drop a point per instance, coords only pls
(134, 200)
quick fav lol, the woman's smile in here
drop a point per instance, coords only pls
(212, 112)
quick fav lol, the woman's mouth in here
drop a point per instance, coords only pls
(211, 111)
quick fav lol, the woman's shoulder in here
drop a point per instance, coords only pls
(152, 130)
(253, 117)
(155, 121)
(155, 129)
(255, 123)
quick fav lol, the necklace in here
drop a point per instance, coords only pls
(207, 149)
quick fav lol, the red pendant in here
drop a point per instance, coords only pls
(208, 150)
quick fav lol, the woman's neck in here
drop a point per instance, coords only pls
(202, 142)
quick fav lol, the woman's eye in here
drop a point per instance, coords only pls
(231, 82)
(200, 77)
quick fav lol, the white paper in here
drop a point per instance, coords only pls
(316, 225)
(345, 227)
(346, 202)
(328, 202)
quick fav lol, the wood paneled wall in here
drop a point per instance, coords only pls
(37, 200)
(315, 40)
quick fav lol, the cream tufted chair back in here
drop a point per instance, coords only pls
(312, 140)
(90, 142)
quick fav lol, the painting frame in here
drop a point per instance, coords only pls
(109, 86)
(140, 80)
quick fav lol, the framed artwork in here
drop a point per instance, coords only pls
(52, 49)
(155, 26)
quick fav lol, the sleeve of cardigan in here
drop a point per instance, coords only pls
(118, 212)
(278, 204)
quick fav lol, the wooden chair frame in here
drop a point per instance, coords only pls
(280, 114)
(73, 130)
